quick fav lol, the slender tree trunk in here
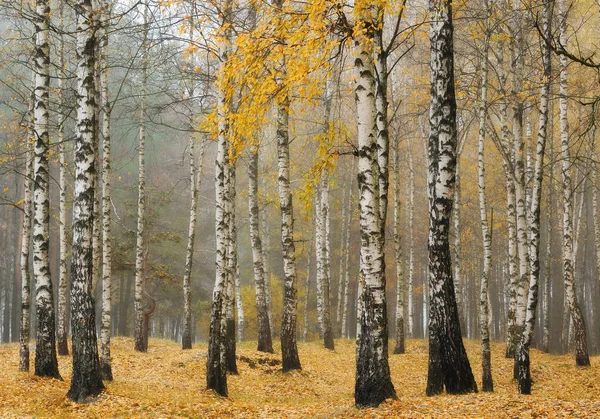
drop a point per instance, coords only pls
(458, 280)
(522, 362)
(265, 343)
(216, 365)
(289, 348)
(347, 261)
(25, 244)
(342, 251)
(61, 331)
(195, 179)
(400, 285)
(581, 350)
(307, 287)
(411, 238)
(324, 279)
(46, 364)
(266, 251)
(448, 362)
(86, 378)
(484, 307)
(230, 344)
(373, 381)
(105, 330)
(140, 340)
(319, 256)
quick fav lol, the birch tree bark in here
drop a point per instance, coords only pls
(25, 244)
(86, 379)
(105, 329)
(195, 179)
(347, 261)
(140, 339)
(448, 362)
(216, 365)
(484, 307)
(373, 382)
(581, 350)
(411, 238)
(61, 312)
(400, 284)
(342, 252)
(265, 342)
(323, 268)
(289, 349)
(522, 361)
(46, 364)
(230, 344)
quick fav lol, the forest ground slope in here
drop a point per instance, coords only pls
(169, 382)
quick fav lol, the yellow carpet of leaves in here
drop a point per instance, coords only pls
(167, 382)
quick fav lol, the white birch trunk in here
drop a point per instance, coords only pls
(581, 350)
(216, 365)
(265, 342)
(411, 238)
(373, 382)
(86, 379)
(61, 312)
(46, 364)
(448, 362)
(140, 340)
(105, 330)
(400, 284)
(25, 244)
(484, 307)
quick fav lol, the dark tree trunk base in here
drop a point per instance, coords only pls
(24, 359)
(230, 348)
(289, 356)
(79, 393)
(328, 340)
(449, 367)
(399, 348)
(106, 371)
(522, 370)
(63, 347)
(582, 360)
(186, 342)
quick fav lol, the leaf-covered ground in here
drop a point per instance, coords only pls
(169, 382)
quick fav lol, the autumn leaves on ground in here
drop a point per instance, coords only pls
(169, 382)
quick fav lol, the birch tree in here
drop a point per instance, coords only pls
(581, 350)
(265, 343)
(373, 383)
(140, 337)
(484, 308)
(105, 328)
(522, 362)
(448, 363)
(216, 364)
(400, 285)
(25, 244)
(86, 377)
(61, 312)
(46, 364)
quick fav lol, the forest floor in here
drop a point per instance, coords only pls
(167, 382)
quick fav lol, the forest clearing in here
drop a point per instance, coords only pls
(169, 382)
